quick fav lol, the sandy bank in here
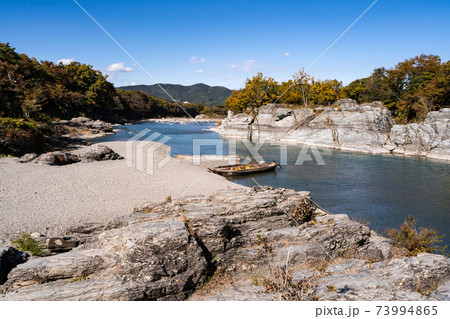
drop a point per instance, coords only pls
(47, 199)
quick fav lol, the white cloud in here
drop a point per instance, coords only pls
(131, 83)
(199, 71)
(194, 59)
(118, 67)
(233, 66)
(287, 54)
(249, 65)
(66, 61)
(213, 73)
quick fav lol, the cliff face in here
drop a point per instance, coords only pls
(238, 244)
(347, 126)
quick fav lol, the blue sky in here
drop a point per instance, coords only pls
(224, 42)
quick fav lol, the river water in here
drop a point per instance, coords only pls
(381, 189)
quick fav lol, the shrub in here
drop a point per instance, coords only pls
(25, 242)
(413, 242)
(304, 213)
(11, 124)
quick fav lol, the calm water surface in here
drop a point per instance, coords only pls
(381, 189)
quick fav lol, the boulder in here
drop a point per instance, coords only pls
(57, 158)
(97, 153)
(27, 158)
(87, 154)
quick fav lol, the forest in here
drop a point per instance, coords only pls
(42, 91)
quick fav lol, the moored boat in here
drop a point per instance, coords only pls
(244, 169)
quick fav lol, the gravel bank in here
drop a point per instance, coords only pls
(47, 199)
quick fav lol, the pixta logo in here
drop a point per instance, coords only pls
(141, 151)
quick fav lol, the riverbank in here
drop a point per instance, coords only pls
(48, 199)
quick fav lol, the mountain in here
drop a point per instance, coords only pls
(197, 93)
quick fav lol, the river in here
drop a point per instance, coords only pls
(381, 189)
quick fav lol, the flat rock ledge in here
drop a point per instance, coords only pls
(237, 244)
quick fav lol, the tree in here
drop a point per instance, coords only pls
(356, 90)
(297, 91)
(326, 92)
(410, 90)
(8, 54)
(258, 91)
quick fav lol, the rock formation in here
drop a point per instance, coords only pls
(93, 153)
(345, 125)
(271, 243)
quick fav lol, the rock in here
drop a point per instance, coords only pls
(57, 158)
(97, 153)
(443, 292)
(409, 278)
(27, 158)
(430, 138)
(60, 244)
(89, 123)
(166, 251)
(88, 154)
(35, 235)
(347, 126)
(10, 258)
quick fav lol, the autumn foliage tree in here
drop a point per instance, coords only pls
(299, 90)
(410, 90)
(258, 91)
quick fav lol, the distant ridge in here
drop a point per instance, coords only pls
(197, 93)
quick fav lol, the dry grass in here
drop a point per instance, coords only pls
(280, 282)
(218, 281)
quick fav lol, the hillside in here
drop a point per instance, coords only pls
(197, 93)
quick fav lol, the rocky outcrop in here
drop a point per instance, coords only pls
(175, 250)
(346, 126)
(430, 138)
(88, 154)
(87, 123)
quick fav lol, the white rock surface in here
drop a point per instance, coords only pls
(346, 125)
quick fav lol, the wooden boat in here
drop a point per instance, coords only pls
(244, 169)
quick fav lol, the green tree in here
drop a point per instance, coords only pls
(356, 90)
